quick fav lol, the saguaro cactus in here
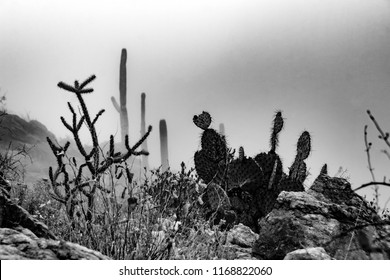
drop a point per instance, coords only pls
(164, 144)
(122, 109)
(222, 129)
(145, 162)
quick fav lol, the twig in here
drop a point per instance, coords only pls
(384, 136)
(372, 184)
(368, 147)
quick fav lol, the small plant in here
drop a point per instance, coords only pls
(11, 163)
(384, 136)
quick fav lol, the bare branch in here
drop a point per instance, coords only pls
(372, 184)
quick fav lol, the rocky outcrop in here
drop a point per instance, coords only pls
(12, 216)
(24, 237)
(328, 215)
(21, 244)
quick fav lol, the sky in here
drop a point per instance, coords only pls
(323, 63)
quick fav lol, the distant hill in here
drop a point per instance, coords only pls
(15, 129)
(15, 132)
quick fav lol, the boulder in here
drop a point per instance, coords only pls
(317, 253)
(328, 215)
(242, 235)
(22, 244)
(24, 237)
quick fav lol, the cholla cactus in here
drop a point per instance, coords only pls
(251, 184)
(96, 162)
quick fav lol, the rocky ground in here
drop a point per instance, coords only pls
(328, 221)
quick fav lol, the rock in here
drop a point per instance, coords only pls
(12, 215)
(22, 244)
(239, 242)
(24, 237)
(324, 216)
(317, 253)
(242, 235)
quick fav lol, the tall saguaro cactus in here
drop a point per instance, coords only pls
(121, 108)
(145, 162)
(222, 129)
(164, 144)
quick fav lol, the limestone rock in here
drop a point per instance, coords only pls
(317, 253)
(242, 235)
(239, 242)
(22, 244)
(324, 216)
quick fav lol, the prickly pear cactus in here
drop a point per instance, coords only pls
(298, 172)
(202, 121)
(272, 169)
(205, 167)
(245, 174)
(217, 198)
(270, 162)
(278, 125)
(214, 145)
(247, 186)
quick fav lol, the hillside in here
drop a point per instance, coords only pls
(19, 131)
(16, 133)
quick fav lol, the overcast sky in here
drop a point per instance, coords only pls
(323, 63)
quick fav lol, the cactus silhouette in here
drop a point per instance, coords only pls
(241, 153)
(298, 171)
(221, 129)
(203, 120)
(60, 177)
(278, 125)
(211, 160)
(270, 162)
(145, 162)
(324, 170)
(164, 145)
(121, 108)
(251, 184)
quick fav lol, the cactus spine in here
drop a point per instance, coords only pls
(121, 108)
(164, 144)
(145, 162)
